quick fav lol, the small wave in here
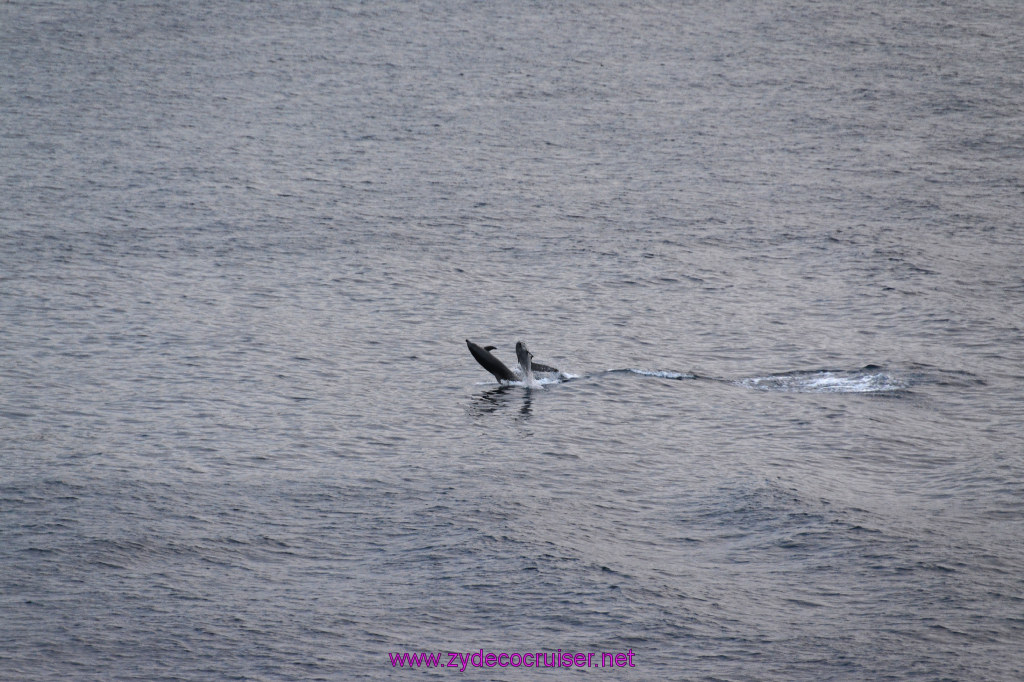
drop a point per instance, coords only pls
(657, 373)
(868, 380)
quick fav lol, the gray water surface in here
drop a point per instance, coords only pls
(775, 247)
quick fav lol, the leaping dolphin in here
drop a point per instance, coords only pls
(525, 362)
(491, 363)
(498, 368)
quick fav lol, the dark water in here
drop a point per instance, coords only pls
(777, 246)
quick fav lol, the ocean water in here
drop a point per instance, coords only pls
(776, 249)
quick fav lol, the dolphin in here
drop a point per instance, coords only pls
(498, 368)
(491, 363)
(525, 362)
